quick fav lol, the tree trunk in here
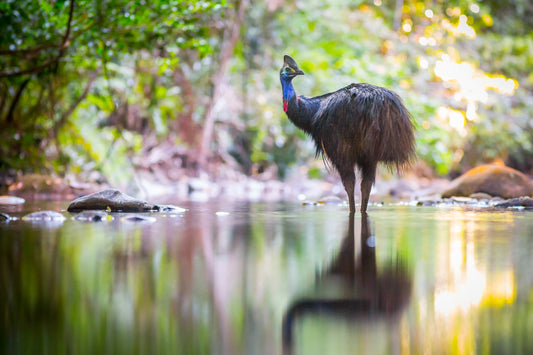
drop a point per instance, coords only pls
(226, 54)
(398, 11)
(185, 126)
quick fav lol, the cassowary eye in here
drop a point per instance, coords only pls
(289, 69)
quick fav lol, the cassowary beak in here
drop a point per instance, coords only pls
(299, 72)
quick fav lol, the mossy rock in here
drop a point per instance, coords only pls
(492, 179)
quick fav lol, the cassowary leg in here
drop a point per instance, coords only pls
(348, 180)
(369, 176)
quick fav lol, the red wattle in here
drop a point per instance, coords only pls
(285, 104)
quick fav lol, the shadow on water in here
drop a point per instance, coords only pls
(364, 294)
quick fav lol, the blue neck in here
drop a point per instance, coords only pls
(288, 89)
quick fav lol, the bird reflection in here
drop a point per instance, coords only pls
(360, 292)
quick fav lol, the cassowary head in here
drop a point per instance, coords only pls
(289, 69)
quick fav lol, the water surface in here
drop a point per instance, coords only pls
(272, 278)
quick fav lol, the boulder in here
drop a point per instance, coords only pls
(38, 183)
(525, 202)
(492, 179)
(112, 200)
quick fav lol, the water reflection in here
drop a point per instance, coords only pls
(360, 292)
(404, 280)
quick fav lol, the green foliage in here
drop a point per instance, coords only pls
(89, 71)
(98, 83)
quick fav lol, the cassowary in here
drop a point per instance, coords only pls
(359, 125)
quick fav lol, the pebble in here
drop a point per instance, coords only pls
(330, 200)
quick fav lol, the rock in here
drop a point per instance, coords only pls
(330, 200)
(11, 200)
(4, 217)
(460, 199)
(138, 218)
(110, 199)
(492, 179)
(480, 196)
(526, 202)
(169, 209)
(91, 216)
(426, 203)
(44, 216)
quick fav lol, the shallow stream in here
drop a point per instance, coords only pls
(269, 278)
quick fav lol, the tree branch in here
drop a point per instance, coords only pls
(9, 116)
(64, 117)
(3, 97)
(69, 23)
(31, 70)
(30, 50)
(64, 44)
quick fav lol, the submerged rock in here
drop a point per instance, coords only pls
(4, 217)
(492, 179)
(11, 200)
(110, 200)
(44, 216)
(91, 216)
(138, 218)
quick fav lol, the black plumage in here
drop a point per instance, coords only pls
(360, 125)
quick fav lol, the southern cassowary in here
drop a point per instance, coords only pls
(359, 125)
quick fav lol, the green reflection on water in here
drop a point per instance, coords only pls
(201, 283)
